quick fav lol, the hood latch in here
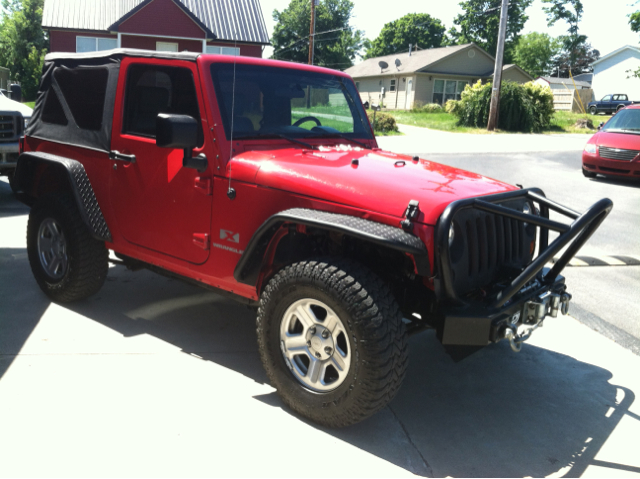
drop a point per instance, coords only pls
(410, 214)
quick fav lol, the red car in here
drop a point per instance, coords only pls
(262, 180)
(615, 149)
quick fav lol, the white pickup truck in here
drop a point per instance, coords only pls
(14, 117)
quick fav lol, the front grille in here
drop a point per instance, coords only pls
(488, 248)
(618, 153)
(8, 128)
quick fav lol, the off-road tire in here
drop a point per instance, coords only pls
(375, 331)
(87, 257)
(593, 110)
(588, 174)
(12, 182)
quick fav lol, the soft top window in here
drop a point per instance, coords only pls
(84, 91)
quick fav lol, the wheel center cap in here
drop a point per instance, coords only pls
(316, 343)
(320, 342)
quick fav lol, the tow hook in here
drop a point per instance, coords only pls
(533, 316)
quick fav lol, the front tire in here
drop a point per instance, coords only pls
(593, 110)
(332, 341)
(67, 262)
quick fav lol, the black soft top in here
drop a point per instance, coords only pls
(76, 88)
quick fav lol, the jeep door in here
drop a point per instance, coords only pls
(159, 204)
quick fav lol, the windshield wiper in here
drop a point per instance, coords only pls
(288, 138)
(343, 136)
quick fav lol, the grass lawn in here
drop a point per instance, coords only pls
(30, 104)
(561, 122)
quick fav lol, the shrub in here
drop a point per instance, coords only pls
(384, 121)
(526, 108)
(432, 108)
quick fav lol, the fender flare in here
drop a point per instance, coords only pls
(79, 184)
(248, 268)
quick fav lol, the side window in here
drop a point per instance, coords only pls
(84, 90)
(616, 97)
(152, 90)
(623, 97)
(52, 112)
(606, 98)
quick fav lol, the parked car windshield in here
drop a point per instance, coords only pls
(624, 121)
(271, 101)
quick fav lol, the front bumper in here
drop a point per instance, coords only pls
(478, 319)
(605, 166)
(9, 155)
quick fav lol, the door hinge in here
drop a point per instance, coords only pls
(201, 240)
(204, 185)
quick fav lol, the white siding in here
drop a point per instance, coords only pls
(610, 75)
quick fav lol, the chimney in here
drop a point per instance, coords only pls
(409, 49)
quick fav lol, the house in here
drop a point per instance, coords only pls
(208, 26)
(434, 75)
(585, 77)
(612, 73)
(562, 83)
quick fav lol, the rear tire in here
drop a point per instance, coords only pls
(67, 262)
(588, 174)
(312, 311)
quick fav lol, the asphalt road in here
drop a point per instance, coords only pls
(606, 298)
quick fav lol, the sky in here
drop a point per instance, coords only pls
(605, 22)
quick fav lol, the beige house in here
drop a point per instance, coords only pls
(426, 76)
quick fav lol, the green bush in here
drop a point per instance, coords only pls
(419, 107)
(525, 108)
(384, 121)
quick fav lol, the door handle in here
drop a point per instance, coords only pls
(116, 155)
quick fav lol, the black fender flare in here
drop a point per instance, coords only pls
(79, 184)
(248, 268)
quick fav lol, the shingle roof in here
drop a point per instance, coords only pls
(566, 81)
(240, 20)
(419, 60)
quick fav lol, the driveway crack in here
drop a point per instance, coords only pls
(406, 433)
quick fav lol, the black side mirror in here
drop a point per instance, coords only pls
(600, 125)
(180, 131)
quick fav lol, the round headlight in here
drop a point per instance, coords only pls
(452, 234)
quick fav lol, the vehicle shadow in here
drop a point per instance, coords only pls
(9, 206)
(614, 181)
(495, 414)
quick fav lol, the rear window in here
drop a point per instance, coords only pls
(84, 91)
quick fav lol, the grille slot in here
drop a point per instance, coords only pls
(7, 127)
(618, 154)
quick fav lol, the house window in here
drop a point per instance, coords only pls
(166, 47)
(94, 44)
(358, 85)
(223, 50)
(393, 86)
(445, 90)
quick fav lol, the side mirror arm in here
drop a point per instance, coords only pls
(199, 162)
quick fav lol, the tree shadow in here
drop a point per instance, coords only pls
(497, 413)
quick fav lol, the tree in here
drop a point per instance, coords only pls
(23, 43)
(574, 44)
(535, 53)
(337, 48)
(415, 28)
(576, 58)
(480, 23)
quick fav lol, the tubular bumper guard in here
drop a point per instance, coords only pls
(535, 292)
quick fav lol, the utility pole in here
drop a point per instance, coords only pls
(312, 30)
(497, 72)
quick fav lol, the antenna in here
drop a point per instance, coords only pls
(398, 63)
(231, 193)
(382, 64)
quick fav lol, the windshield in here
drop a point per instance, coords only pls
(624, 121)
(272, 101)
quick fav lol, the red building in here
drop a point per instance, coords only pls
(209, 26)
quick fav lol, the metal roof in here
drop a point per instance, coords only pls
(231, 20)
(563, 81)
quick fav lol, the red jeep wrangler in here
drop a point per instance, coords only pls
(263, 180)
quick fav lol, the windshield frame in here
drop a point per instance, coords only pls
(361, 126)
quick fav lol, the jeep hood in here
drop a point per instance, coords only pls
(372, 180)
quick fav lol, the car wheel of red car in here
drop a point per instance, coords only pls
(67, 262)
(588, 174)
(332, 340)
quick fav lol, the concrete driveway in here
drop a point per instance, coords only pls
(153, 377)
